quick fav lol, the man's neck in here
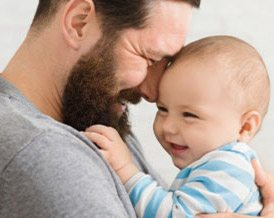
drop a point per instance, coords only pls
(35, 72)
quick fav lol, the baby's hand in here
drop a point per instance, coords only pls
(114, 150)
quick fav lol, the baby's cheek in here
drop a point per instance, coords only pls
(157, 128)
(200, 141)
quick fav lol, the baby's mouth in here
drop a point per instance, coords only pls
(178, 149)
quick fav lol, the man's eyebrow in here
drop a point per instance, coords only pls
(171, 57)
(175, 56)
(162, 55)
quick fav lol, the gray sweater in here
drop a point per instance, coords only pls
(50, 170)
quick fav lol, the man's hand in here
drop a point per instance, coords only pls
(266, 183)
(113, 149)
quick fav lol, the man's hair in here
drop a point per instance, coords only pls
(115, 14)
(247, 76)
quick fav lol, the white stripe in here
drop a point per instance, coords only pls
(215, 199)
(248, 208)
(131, 183)
(177, 212)
(177, 183)
(145, 198)
(224, 180)
(241, 147)
(229, 157)
(165, 206)
(191, 203)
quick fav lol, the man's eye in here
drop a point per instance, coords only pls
(152, 61)
(162, 109)
(188, 114)
(168, 63)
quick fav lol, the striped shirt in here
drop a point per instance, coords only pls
(220, 181)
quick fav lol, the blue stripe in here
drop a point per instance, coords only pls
(138, 190)
(170, 214)
(204, 202)
(184, 173)
(251, 154)
(238, 208)
(232, 170)
(228, 147)
(255, 197)
(231, 199)
(154, 203)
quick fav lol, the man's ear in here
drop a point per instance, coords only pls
(250, 124)
(77, 18)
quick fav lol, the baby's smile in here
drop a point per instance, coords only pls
(177, 149)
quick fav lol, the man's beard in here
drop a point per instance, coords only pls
(91, 92)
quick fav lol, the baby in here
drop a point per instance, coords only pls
(212, 100)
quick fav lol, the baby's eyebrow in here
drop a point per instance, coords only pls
(191, 107)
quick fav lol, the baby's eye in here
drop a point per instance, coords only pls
(190, 115)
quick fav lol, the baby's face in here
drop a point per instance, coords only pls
(196, 110)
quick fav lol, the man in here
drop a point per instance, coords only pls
(81, 63)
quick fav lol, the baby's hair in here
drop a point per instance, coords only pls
(247, 74)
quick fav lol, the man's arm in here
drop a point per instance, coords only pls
(60, 176)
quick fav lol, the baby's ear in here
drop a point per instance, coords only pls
(250, 124)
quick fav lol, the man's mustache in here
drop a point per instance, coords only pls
(129, 96)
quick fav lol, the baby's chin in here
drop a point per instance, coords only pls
(181, 164)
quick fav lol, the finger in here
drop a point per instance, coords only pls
(222, 215)
(105, 154)
(99, 139)
(96, 128)
(266, 183)
(259, 173)
(109, 132)
(267, 190)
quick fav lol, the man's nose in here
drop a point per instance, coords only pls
(149, 90)
(149, 87)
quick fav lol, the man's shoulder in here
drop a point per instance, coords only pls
(50, 169)
(51, 150)
(63, 168)
(36, 132)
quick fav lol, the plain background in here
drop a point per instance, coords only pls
(250, 20)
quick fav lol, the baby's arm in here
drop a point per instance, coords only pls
(114, 150)
(207, 187)
(150, 200)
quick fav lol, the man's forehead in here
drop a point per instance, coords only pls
(168, 27)
(165, 33)
(169, 10)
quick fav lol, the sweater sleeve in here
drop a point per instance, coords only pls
(58, 176)
(221, 182)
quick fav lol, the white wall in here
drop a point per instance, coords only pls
(251, 20)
